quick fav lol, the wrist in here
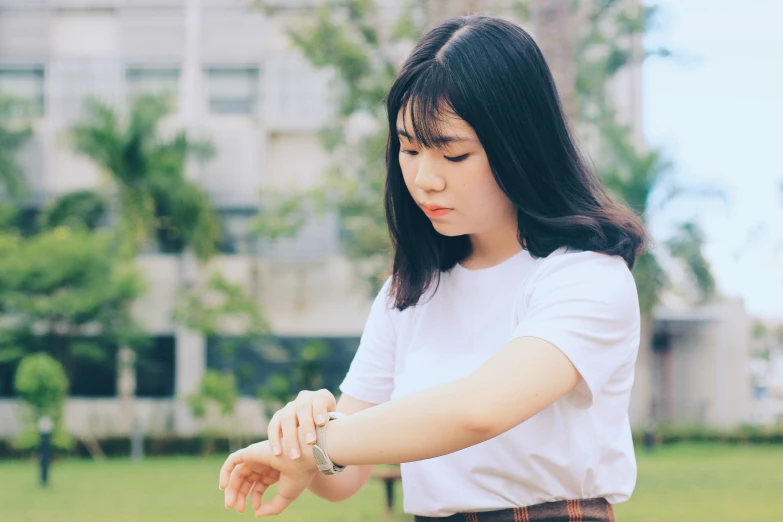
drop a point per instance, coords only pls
(309, 463)
(321, 454)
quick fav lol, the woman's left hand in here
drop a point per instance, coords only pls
(250, 471)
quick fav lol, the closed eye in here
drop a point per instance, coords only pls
(409, 152)
(457, 159)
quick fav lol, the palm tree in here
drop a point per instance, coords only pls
(611, 41)
(155, 200)
(634, 176)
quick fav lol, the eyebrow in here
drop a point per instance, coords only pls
(440, 140)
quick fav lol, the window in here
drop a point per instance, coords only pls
(25, 82)
(254, 363)
(232, 90)
(155, 368)
(236, 234)
(92, 377)
(152, 80)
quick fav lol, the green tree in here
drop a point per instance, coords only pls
(307, 365)
(216, 308)
(41, 385)
(155, 199)
(156, 202)
(82, 208)
(636, 174)
(217, 392)
(67, 293)
(216, 305)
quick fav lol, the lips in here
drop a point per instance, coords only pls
(435, 210)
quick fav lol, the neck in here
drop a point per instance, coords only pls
(492, 247)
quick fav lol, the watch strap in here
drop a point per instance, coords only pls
(325, 464)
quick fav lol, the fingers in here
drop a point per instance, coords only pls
(256, 494)
(236, 484)
(274, 507)
(244, 489)
(289, 425)
(273, 433)
(305, 414)
(260, 487)
(323, 403)
(299, 418)
(231, 462)
(243, 484)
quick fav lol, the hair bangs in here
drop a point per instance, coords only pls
(426, 104)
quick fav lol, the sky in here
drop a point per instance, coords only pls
(716, 109)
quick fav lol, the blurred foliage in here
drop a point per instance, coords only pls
(688, 246)
(83, 208)
(638, 175)
(15, 130)
(354, 40)
(766, 339)
(156, 200)
(213, 308)
(40, 382)
(216, 305)
(118, 447)
(307, 368)
(276, 392)
(674, 433)
(281, 215)
(42, 386)
(218, 388)
(66, 292)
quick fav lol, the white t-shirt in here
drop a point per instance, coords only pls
(579, 447)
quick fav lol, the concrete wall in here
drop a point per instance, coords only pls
(698, 374)
(106, 417)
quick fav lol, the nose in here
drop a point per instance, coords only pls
(428, 177)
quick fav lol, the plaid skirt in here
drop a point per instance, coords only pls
(589, 510)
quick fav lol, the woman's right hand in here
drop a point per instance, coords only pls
(308, 410)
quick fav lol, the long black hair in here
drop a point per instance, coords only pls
(490, 73)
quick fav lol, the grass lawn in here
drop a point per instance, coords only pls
(680, 483)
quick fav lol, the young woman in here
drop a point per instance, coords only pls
(497, 361)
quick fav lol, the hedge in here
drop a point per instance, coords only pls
(169, 445)
(120, 446)
(671, 434)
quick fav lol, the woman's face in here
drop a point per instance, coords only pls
(453, 185)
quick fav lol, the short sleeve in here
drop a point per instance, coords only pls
(586, 304)
(370, 377)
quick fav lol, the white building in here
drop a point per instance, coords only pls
(698, 365)
(238, 83)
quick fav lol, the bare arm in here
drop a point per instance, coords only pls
(516, 383)
(522, 379)
(342, 486)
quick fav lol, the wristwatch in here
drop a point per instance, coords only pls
(325, 464)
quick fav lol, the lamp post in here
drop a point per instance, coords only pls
(45, 427)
